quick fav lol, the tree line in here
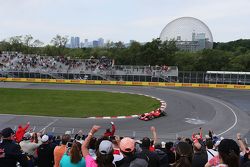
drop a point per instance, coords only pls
(230, 56)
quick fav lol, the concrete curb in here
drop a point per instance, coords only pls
(162, 107)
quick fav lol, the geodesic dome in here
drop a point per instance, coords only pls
(187, 29)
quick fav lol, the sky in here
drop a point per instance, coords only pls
(120, 20)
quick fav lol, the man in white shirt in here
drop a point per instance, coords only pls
(210, 151)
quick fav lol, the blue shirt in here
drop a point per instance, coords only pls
(65, 162)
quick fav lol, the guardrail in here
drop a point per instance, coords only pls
(128, 83)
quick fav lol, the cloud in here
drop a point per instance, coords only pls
(140, 20)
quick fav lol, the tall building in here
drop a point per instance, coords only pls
(77, 42)
(81, 45)
(100, 42)
(95, 43)
(72, 42)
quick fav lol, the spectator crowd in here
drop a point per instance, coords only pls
(18, 62)
(27, 148)
(37, 63)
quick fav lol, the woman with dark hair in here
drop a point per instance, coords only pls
(104, 153)
(183, 155)
(229, 153)
(74, 157)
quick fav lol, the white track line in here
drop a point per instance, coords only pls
(235, 116)
(217, 101)
(49, 125)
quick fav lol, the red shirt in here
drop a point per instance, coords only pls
(107, 134)
(20, 132)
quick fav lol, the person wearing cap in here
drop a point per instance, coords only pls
(29, 147)
(131, 159)
(104, 154)
(45, 156)
(21, 131)
(127, 147)
(10, 152)
(60, 150)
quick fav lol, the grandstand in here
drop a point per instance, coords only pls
(228, 77)
(14, 65)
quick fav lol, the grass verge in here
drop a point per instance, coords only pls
(67, 103)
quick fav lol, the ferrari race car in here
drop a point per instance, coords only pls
(151, 115)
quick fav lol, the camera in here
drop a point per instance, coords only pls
(69, 145)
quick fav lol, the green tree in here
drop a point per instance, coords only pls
(59, 41)
(214, 60)
(27, 39)
(240, 63)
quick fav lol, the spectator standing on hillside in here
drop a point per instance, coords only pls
(60, 150)
(245, 152)
(162, 155)
(127, 147)
(210, 151)
(169, 152)
(45, 153)
(183, 155)
(154, 160)
(109, 133)
(30, 147)
(200, 157)
(229, 153)
(73, 157)
(10, 152)
(21, 131)
(104, 154)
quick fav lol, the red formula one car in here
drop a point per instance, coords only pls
(151, 115)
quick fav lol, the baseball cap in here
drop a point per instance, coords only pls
(6, 132)
(127, 144)
(163, 144)
(217, 143)
(45, 138)
(68, 132)
(105, 147)
(27, 136)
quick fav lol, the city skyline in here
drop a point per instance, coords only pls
(115, 20)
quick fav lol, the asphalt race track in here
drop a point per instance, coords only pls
(224, 111)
